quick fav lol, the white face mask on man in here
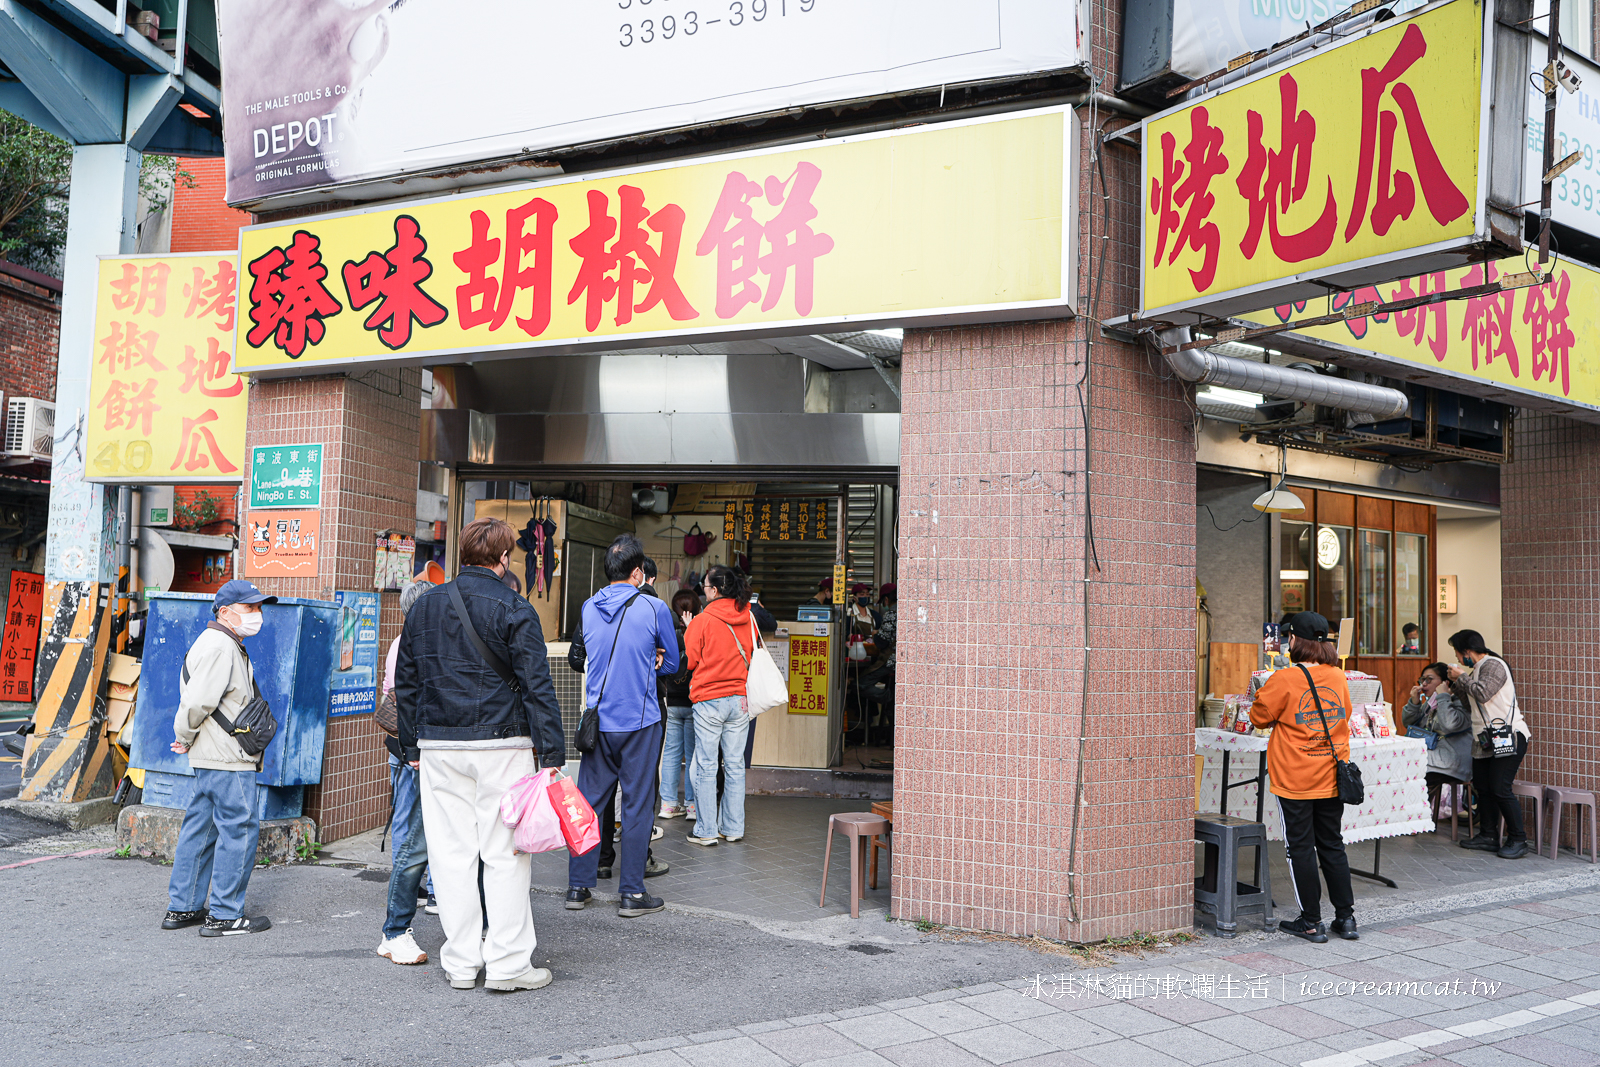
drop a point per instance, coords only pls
(244, 623)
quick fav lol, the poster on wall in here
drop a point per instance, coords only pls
(281, 544)
(19, 642)
(320, 94)
(165, 404)
(808, 675)
(394, 555)
(355, 674)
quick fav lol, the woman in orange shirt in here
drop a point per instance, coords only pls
(1300, 763)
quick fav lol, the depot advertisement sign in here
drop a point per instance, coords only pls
(970, 221)
(321, 93)
(1519, 343)
(1367, 154)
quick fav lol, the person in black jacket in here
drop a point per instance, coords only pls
(474, 724)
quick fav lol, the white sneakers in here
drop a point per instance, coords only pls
(532, 978)
(656, 832)
(707, 841)
(403, 950)
(669, 811)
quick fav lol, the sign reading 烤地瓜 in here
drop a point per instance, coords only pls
(286, 476)
(166, 405)
(965, 221)
(1347, 166)
(1521, 344)
(320, 94)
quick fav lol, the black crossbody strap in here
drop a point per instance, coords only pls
(489, 657)
(216, 713)
(1318, 701)
(612, 655)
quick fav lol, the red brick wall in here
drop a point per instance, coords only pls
(1550, 589)
(201, 221)
(368, 427)
(30, 328)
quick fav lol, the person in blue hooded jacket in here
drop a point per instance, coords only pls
(630, 641)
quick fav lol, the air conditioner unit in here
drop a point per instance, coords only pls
(30, 428)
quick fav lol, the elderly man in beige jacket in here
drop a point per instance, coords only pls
(217, 845)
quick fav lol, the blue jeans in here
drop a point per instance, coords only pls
(217, 844)
(410, 846)
(678, 751)
(407, 806)
(720, 723)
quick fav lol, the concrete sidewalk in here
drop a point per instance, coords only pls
(1482, 983)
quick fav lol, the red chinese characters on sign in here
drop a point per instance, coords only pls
(1413, 322)
(1367, 294)
(127, 347)
(1487, 320)
(19, 641)
(141, 289)
(129, 404)
(214, 294)
(484, 298)
(1276, 179)
(200, 371)
(287, 298)
(737, 238)
(394, 281)
(195, 436)
(1396, 191)
(1186, 184)
(631, 256)
(1546, 312)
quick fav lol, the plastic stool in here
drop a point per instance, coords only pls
(861, 826)
(1218, 891)
(1458, 790)
(884, 808)
(1535, 792)
(1559, 797)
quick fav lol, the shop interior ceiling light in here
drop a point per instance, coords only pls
(1277, 500)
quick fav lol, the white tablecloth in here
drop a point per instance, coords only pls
(1391, 769)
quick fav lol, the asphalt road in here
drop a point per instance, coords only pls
(90, 977)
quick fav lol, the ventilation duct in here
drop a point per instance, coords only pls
(1205, 367)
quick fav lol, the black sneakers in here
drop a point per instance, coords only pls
(1305, 929)
(177, 920)
(1514, 850)
(1481, 843)
(653, 866)
(602, 872)
(1346, 928)
(636, 904)
(577, 898)
(241, 925)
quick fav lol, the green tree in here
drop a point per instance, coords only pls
(35, 167)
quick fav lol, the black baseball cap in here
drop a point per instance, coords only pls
(1306, 625)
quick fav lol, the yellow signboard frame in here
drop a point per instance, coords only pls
(1367, 160)
(165, 404)
(966, 221)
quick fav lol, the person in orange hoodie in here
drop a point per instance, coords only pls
(719, 643)
(1300, 763)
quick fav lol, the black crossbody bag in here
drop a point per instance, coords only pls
(1345, 772)
(587, 738)
(255, 726)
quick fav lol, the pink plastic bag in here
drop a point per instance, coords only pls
(527, 810)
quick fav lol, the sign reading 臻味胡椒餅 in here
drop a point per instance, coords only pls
(970, 220)
(1363, 162)
(286, 476)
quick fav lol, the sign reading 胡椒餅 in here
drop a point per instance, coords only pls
(1353, 163)
(322, 94)
(1519, 342)
(166, 405)
(286, 476)
(972, 220)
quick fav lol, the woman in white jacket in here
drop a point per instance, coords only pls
(1485, 683)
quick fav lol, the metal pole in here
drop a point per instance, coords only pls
(1553, 53)
(183, 37)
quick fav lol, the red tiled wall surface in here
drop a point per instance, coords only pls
(1550, 585)
(990, 686)
(30, 328)
(368, 427)
(201, 221)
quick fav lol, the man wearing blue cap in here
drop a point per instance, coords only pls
(217, 845)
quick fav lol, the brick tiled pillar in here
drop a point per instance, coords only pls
(368, 426)
(1550, 593)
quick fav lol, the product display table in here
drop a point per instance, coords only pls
(1391, 769)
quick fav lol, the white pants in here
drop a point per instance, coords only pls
(461, 791)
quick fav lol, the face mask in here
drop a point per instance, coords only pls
(861, 600)
(248, 625)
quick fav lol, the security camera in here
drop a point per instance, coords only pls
(1567, 77)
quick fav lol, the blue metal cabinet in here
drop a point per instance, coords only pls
(294, 656)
